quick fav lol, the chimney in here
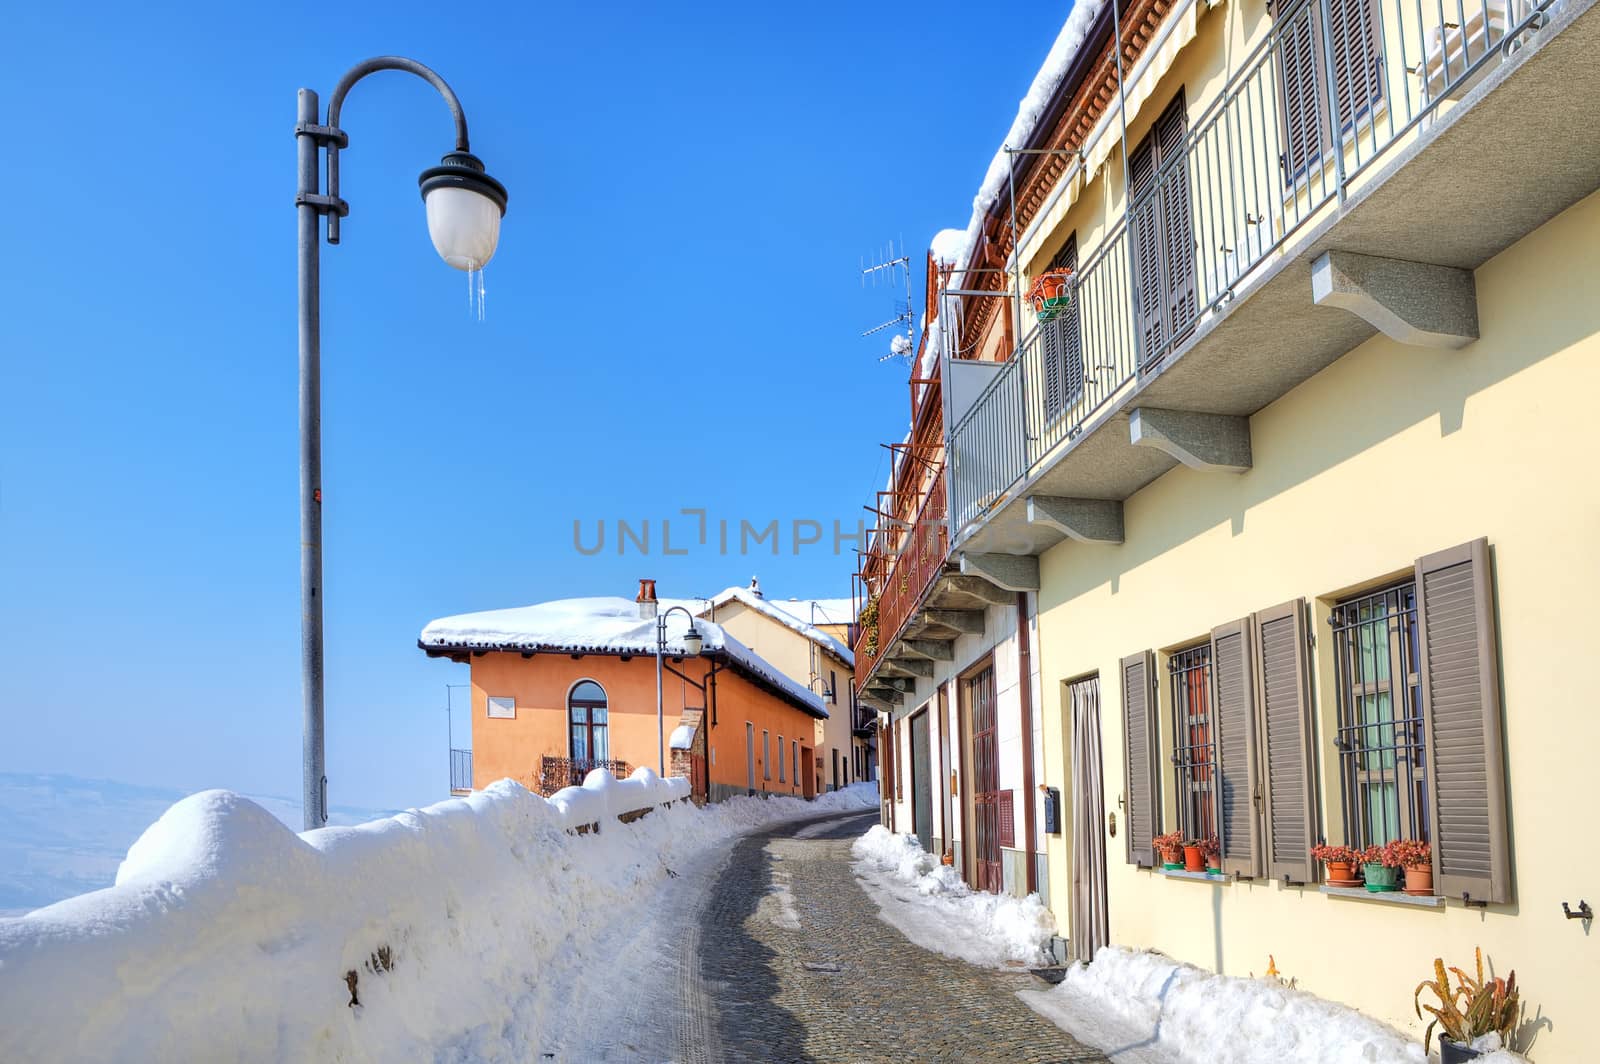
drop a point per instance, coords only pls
(755, 588)
(646, 599)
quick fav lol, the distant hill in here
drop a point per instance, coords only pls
(62, 835)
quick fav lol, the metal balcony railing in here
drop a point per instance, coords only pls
(460, 770)
(1264, 160)
(558, 772)
(908, 560)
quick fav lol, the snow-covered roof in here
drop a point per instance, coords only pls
(794, 614)
(955, 246)
(607, 625)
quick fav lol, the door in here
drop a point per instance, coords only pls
(947, 818)
(985, 783)
(808, 772)
(750, 757)
(1088, 929)
(921, 782)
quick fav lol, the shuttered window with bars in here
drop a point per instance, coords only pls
(1305, 104)
(1194, 761)
(1163, 234)
(1420, 740)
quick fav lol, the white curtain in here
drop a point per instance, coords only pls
(1088, 930)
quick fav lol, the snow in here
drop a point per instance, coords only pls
(227, 936)
(927, 902)
(682, 738)
(1138, 1005)
(953, 245)
(794, 614)
(607, 625)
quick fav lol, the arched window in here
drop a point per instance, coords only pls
(586, 723)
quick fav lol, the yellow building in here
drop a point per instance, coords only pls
(1291, 473)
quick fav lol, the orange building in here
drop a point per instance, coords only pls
(564, 687)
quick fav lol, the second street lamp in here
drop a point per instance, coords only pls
(464, 206)
(692, 644)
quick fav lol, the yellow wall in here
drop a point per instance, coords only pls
(1390, 453)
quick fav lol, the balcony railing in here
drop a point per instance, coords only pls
(910, 559)
(1263, 162)
(558, 772)
(460, 771)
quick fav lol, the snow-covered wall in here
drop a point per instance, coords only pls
(229, 937)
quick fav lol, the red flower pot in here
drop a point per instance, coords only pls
(1419, 882)
(1193, 859)
(1341, 873)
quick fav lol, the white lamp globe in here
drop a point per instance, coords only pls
(464, 207)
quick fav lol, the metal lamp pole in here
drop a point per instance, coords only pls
(465, 233)
(692, 644)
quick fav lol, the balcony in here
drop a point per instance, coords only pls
(460, 771)
(1464, 136)
(558, 772)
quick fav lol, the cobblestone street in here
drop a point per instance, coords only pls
(791, 963)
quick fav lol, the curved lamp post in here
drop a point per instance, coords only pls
(464, 206)
(692, 642)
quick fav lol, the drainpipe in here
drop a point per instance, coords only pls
(1025, 687)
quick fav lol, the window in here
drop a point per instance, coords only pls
(586, 724)
(833, 686)
(794, 759)
(1380, 736)
(766, 754)
(781, 777)
(1062, 340)
(1194, 760)
(1302, 67)
(1162, 234)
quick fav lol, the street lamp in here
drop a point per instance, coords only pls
(464, 206)
(692, 643)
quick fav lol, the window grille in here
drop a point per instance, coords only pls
(1194, 752)
(1380, 737)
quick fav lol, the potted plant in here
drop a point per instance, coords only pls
(1341, 862)
(1415, 857)
(1472, 1010)
(1194, 860)
(1170, 847)
(1212, 849)
(1379, 870)
(1051, 293)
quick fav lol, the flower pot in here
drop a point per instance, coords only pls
(1454, 1052)
(1419, 882)
(1343, 874)
(1213, 865)
(1193, 859)
(1172, 860)
(1380, 878)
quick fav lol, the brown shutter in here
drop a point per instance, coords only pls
(1461, 725)
(1302, 114)
(1063, 354)
(1233, 679)
(1286, 732)
(1146, 248)
(1177, 223)
(1357, 78)
(1139, 739)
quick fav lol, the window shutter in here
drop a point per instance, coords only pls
(1146, 222)
(1302, 115)
(1461, 728)
(1139, 757)
(1177, 223)
(1282, 683)
(1233, 681)
(1063, 349)
(1357, 80)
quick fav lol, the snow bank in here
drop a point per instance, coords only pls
(1140, 998)
(929, 904)
(229, 937)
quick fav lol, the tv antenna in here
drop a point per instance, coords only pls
(891, 267)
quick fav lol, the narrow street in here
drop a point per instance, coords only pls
(771, 951)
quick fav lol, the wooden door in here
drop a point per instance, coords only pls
(986, 796)
(808, 772)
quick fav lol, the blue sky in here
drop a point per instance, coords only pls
(673, 321)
